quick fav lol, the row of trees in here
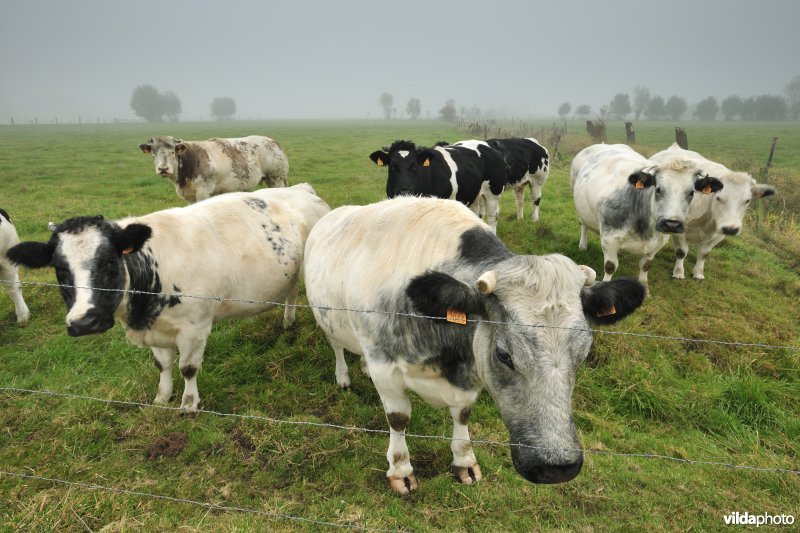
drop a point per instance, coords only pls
(448, 112)
(154, 106)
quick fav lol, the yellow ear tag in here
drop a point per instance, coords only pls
(607, 312)
(456, 317)
(127, 250)
(426, 163)
(639, 184)
(379, 162)
(706, 189)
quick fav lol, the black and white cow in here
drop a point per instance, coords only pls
(717, 213)
(430, 257)
(471, 172)
(528, 164)
(633, 203)
(238, 246)
(200, 169)
(9, 277)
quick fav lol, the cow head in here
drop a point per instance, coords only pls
(407, 168)
(529, 366)
(671, 187)
(730, 200)
(166, 151)
(86, 253)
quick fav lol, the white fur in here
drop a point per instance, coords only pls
(8, 271)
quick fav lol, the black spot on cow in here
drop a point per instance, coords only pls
(256, 204)
(463, 416)
(629, 208)
(193, 163)
(479, 246)
(236, 156)
(158, 364)
(679, 254)
(456, 365)
(397, 421)
(189, 371)
(4, 215)
(143, 309)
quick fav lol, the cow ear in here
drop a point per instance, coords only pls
(641, 180)
(607, 302)
(379, 157)
(131, 238)
(31, 254)
(146, 148)
(761, 190)
(708, 185)
(180, 148)
(433, 293)
(424, 157)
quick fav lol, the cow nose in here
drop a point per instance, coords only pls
(669, 226)
(162, 170)
(88, 324)
(549, 474)
(730, 230)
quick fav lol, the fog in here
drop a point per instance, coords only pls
(83, 58)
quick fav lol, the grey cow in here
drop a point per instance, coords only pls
(428, 256)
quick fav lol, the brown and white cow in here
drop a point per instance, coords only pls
(717, 213)
(428, 256)
(8, 271)
(200, 169)
(234, 249)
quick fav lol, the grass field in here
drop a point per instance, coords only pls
(682, 399)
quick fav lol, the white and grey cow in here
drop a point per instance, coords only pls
(8, 271)
(201, 169)
(717, 213)
(239, 246)
(431, 256)
(632, 202)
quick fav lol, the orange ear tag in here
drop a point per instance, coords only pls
(639, 184)
(706, 189)
(426, 163)
(127, 250)
(456, 317)
(607, 312)
(379, 162)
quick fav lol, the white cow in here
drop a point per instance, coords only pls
(200, 169)
(234, 249)
(632, 202)
(716, 214)
(8, 271)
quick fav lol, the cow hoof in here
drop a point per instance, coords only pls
(158, 400)
(403, 485)
(346, 388)
(189, 404)
(23, 317)
(678, 276)
(699, 277)
(468, 475)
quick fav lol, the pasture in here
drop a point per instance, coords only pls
(634, 394)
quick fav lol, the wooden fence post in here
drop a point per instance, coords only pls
(680, 138)
(764, 179)
(630, 133)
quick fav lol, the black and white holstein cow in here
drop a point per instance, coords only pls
(717, 213)
(471, 172)
(200, 169)
(231, 248)
(528, 164)
(8, 271)
(632, 202)
(434, 257)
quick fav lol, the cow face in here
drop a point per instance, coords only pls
(407, 168)
(86, 253)
(529, 367)
(672, 186)
(731, 198)
(165, 152)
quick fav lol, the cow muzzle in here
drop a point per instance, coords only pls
(731, 230)
(89, 324)
(542, 473)
(164, 172)
(670, 226)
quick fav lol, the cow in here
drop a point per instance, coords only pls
(239, 252)
(201, 169)
(435, 257)
(471, 172)
(717, 213)
(528, 164)
(633, 203)
(9, 277)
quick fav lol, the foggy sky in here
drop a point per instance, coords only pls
(302, 59)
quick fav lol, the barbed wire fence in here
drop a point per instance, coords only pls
(321, 425)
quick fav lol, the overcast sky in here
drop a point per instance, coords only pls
(332, 59)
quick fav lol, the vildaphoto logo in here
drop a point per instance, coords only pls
(765, 519)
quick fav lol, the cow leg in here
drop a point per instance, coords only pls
(583, 244)
(644, 267)
(681, 249)
(536, 198)
(163, 359)
(519, 197)
(289, 311)
(191, 347)
(342, 373)
(492, 203)
(10, 274)
(702, 253)
(610, 257)
(465, 465)
(390, 386)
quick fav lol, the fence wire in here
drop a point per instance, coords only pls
(411, 315)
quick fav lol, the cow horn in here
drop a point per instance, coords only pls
(487, 282)
(590, 274)
(52, 226)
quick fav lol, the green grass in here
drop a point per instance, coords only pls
(633, 395)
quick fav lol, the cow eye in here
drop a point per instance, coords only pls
(747, 201)
(659, 190)
(504, 358)
(691, 194)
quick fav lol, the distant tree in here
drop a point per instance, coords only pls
(748, 108)
(413, 108)
(731, 106)
(656, 108)
(172, 106)
(147, 103)
(448, 112)
(707, 109)
(583, 110)
(770, 107)
(792, 91)
(223, 108)
(675, 107)
(641, 97)
(564, 109)
(386, 101)
(620, 106)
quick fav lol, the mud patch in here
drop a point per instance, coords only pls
(170, 445)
